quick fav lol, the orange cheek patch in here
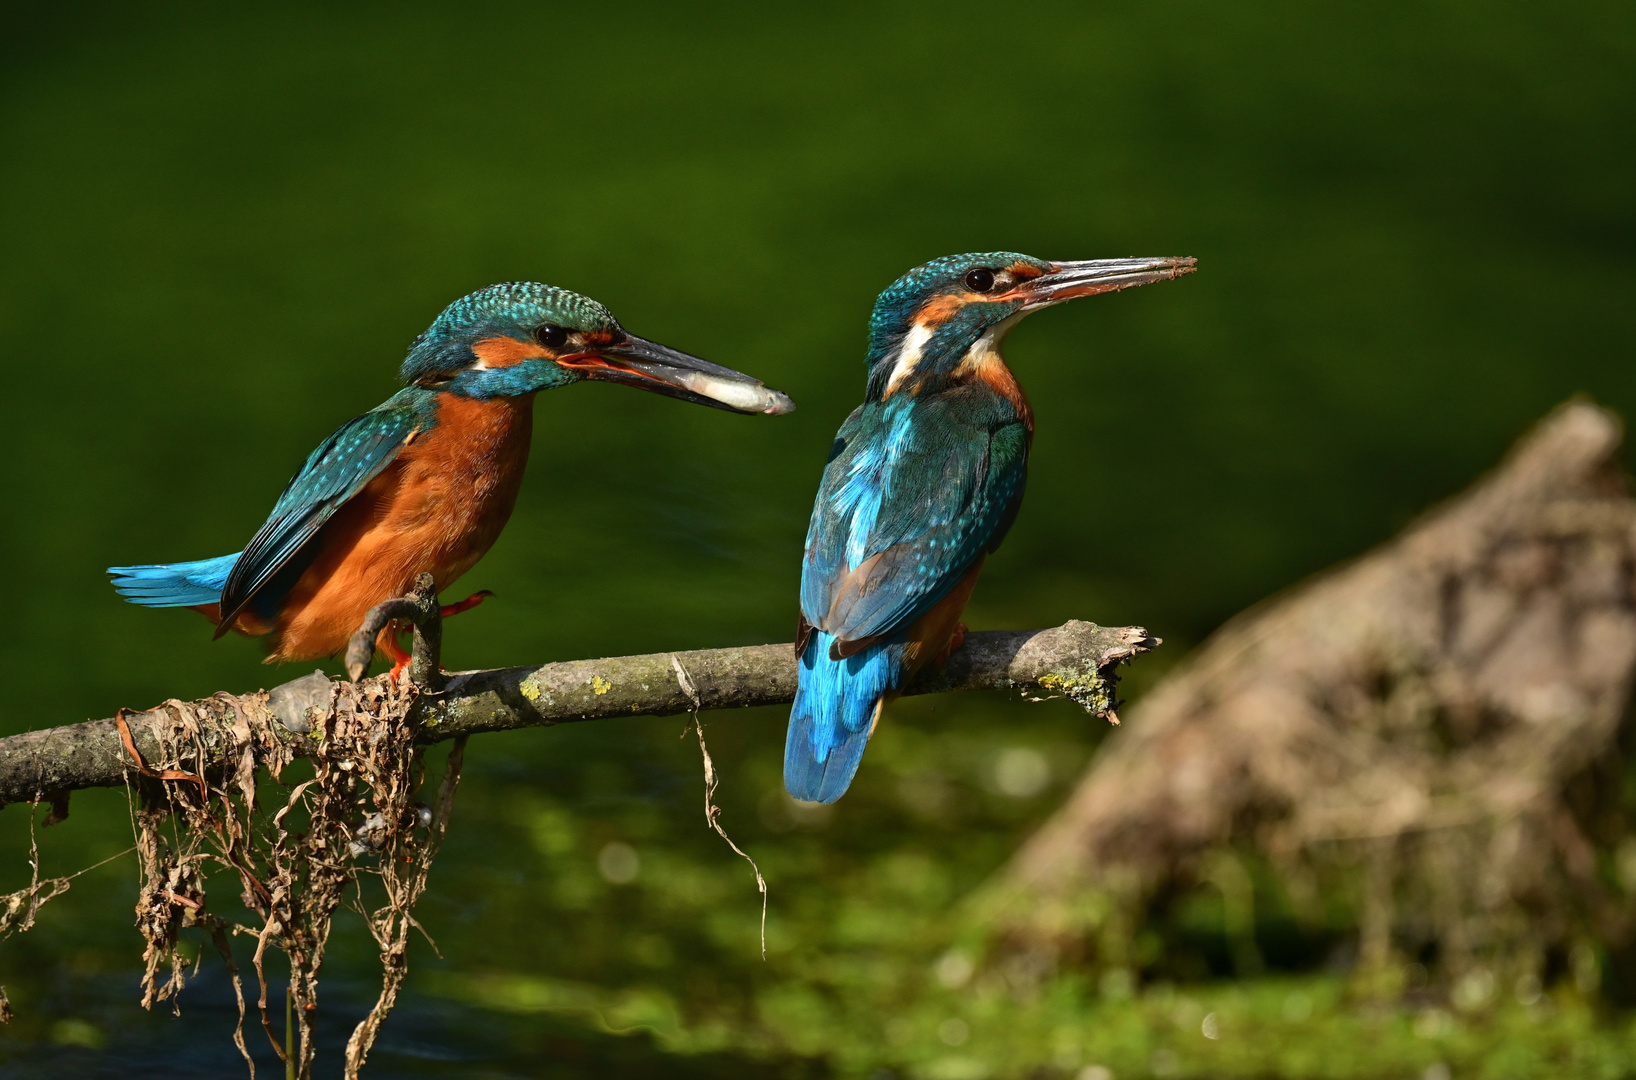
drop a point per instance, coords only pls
(940, 309)
(503, 352)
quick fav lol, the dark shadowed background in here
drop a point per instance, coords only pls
(219, 231)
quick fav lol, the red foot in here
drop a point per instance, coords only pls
(956, 639)
(387, 642)
(465, 605)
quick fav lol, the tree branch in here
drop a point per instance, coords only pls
(1076, 660)
(419, 608)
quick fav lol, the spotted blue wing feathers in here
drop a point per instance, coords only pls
(914, 493)
(332, 474)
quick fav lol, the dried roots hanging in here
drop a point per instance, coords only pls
(358, 817)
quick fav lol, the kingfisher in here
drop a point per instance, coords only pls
(426, 480)
(922, 483)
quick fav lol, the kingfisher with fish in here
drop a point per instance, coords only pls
(425, 481)
(922, 483)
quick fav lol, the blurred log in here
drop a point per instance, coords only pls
(1431, 731)
(1077, 660)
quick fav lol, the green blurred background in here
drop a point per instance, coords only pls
(219, 230)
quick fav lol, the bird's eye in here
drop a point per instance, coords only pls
(980, 280)
(552, 337)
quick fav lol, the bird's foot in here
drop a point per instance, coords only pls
(387, 642)
(956, 639)
(465, 605)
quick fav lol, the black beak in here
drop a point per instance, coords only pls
(1071, 280)
(648, 365)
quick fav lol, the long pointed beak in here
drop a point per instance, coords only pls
(1071, 280)
(648, 365)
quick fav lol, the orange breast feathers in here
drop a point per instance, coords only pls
(438, 507)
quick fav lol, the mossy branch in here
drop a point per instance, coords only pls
(1077, 659)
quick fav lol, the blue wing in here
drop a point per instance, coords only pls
(914, 492)
(333, 473)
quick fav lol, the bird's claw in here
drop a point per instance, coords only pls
(465, 605)
(388, 643)
(956, 639)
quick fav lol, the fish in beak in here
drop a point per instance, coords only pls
(648, 365)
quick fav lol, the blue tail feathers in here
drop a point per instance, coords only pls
(834, 715)
(183, 584)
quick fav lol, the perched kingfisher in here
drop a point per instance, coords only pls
(923, 481)
(426, 480)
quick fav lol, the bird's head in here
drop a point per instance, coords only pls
(957, 309)
(522, 337)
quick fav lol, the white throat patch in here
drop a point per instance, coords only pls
(987, 347)
(908, 358)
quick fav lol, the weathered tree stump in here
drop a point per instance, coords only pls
(1432, 728)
